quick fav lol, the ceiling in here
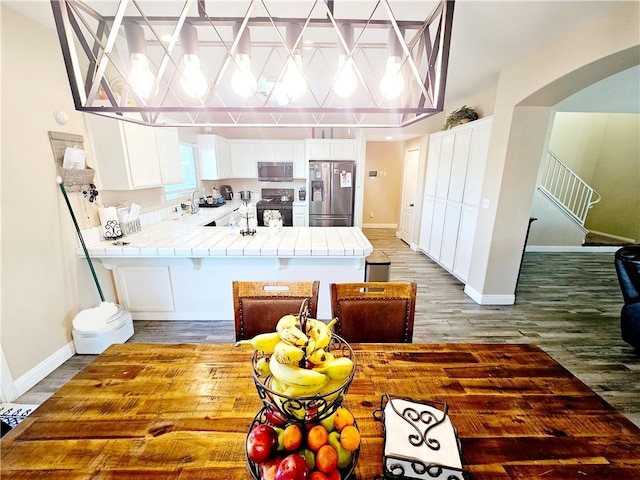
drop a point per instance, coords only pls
(487, 37)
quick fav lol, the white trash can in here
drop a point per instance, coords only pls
(92, 338)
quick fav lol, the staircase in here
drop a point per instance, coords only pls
(567, 190)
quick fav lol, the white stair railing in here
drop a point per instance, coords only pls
(567, 189)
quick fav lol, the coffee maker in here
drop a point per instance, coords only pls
(227, 192)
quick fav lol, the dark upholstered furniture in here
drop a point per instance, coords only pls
(259, 305)
(374, 312)
(627, 262)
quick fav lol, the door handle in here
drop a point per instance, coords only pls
(411, 204)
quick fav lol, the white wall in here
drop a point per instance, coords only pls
(41, 273)
(526, 91)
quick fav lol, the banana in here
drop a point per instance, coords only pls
(293, 336)
(287, 353)
(263, 342)
(300, 377)
(319, 357)
(262, 367)
(295, 391)
(288, 321)
(337, 369)
(329, 387)
(320, 331)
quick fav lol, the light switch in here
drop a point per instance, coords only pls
(485, 203)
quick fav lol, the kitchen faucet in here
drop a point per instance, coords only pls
(194, 205)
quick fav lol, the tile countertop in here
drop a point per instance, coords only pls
(185, 236)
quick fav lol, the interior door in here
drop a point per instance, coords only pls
(409, 188)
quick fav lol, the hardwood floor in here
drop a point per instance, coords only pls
(567, 303)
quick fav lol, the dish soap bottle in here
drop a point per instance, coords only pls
(232, 225)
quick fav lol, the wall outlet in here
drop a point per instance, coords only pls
(371, 215)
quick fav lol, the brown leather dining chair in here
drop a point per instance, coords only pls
(374, 312)
(258, 306)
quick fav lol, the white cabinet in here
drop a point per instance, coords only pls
(213, 155)
(455, 172)
(127, 157)
(300, 216)
(243, 159)
(331, 149)
(245, 155)
(168, 151)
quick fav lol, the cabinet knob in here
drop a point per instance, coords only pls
(411, 204)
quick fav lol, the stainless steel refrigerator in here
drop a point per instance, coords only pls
(331, 193)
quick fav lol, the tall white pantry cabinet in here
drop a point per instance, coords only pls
(455, 171)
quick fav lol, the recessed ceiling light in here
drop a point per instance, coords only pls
(166, 38)
(388, 137)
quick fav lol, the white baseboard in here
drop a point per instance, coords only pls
(570, 249)
(379, 225)
(44, 368)
(481, 299)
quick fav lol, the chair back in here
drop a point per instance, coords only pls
(374, 312)
(259, 305)
(627, 263)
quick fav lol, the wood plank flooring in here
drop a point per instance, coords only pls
(567, 303)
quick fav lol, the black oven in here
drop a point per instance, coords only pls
(286, 212)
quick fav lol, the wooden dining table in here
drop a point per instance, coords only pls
(182, 411)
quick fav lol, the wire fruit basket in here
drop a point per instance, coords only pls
(312, 408)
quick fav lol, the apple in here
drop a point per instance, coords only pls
(262, 443)
(274, 417)
(269, 468)
(344, 455)
(327, 422)
(293, 467)
(310, 458)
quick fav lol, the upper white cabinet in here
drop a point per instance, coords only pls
(168, 151)
(243, 158)
(213, 155)
(455, 172)
(127, 154)
(321, 149)
(245, 155)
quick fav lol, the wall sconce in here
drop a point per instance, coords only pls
(293, 81)
(345, 81)
(243, 81)
(140, 76)
(192, 79)
(392, 82)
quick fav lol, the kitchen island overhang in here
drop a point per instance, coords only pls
(177, 271)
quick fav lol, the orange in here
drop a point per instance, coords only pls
(317, 437)
(292, 437)
(335, 475)
(327, 459)
(318, 476)
(343, 418)
(350, 438)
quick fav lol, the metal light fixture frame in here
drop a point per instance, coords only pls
(90, 38)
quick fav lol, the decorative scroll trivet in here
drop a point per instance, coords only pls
(420, 442)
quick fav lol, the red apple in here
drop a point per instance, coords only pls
(274, 417)
(269, 468)
(262, 443)
(293, 467)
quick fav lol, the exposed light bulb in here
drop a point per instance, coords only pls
(392, 82)
(243, 81)
(140, 76)
(345, 82)
(192, 80)
(293, 80)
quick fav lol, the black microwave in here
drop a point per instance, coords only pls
(275, 171)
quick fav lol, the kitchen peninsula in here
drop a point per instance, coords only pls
(180, 269)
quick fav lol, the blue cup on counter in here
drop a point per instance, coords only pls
(220, 199)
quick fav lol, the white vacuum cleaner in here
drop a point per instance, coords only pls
(94, 329)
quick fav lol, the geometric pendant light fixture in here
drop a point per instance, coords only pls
(343, 63)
